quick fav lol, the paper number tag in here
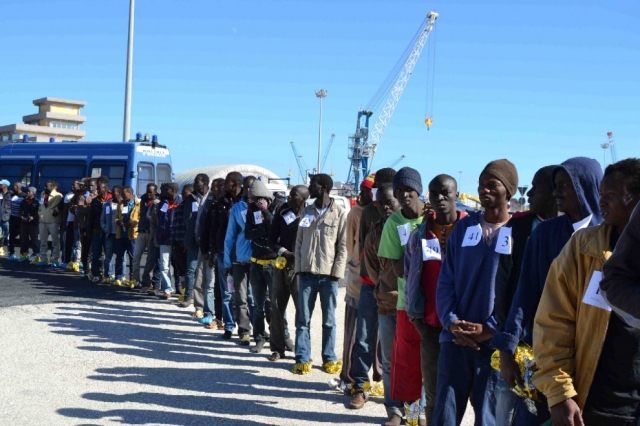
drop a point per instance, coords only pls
(107, 210)
(306, 221)
(125, 209)
(472, 236)
(289, 217)
(403, 232)
(592, 296)
(257, 217)
(14, 198)
(194, 207)
(504, 242)
(431, 250)
(244, 216)
(164, 208)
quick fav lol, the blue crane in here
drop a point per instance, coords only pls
(363, 144)
(326, 152)
(302, 165)
(396, 161)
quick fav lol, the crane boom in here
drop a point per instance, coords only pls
(302, 166)
(326, 151)
(395, 163)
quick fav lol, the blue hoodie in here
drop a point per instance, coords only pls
(235, 239)
(467, 278)
(544, 245)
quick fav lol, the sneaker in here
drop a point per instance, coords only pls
(108, 280)
(357, 399)
(245, 340)
(289, 345)
(12, 257)
(186, 303)
(63, 265)
(71, 266)
(219, 324)
(227, 334)
(117, 282)
(35, 260)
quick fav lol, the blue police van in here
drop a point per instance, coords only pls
(125, 163)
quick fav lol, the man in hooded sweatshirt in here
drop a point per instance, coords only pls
(465, 301)
(576, 189)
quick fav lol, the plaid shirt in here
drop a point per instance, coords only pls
(178, 227)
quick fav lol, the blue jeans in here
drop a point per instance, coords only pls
(207, 288)
(260, 278)
(463, 373)
(226, 296)
(387, 332)
(309, 286)
(165, 263)
(124, 246)
(4, 233)
(190, 275)
(109, 250)
(366, 326)
(97, 245)
(506, 401)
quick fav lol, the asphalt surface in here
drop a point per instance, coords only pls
(78, 353)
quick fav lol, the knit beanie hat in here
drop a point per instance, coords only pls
(506, 173)
(369, 181)
(259, 190)
(409, 177)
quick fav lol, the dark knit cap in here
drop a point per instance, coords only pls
(506, 173)
(409, 177)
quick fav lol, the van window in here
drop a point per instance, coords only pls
(16, 172)
(114, 171)
(145, 177)
(164, 173)
(62, 172)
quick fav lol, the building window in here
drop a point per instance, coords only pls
(63, 125)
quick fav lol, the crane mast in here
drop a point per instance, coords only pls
(362, 145)
(302, 166)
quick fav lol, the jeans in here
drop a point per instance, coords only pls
(387, 331)
(226, 296)
(243, 298)
(165, 263)
(97, 245)
(109, 251)
(260, 277)
(465, 373)
(124, 246)
(4, 233)
(53, 230)
(208, 286)
(285, 286)
(190, 274)
(309, 286)
(140, 273)
(506, 401)
(429, 353)
(366, 328)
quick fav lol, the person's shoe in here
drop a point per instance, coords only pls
(302, 368)
(166, 295)
(96, 279)
(198, 314)
(23, 257)
(357, 399)
(227, 334)
(258, 347)
(118, 282)
(63, 265)
(219, 325)
(207, 321)
(276, 356)
(266, 336)
(12, 257)
(289, 345)
(35, 260)
(332, 367)
(245, 340)
(186, 303)
(108, 280)
(394, 420)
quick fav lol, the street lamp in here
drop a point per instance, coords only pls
(127, 86)
(460, 181)
(320, 94)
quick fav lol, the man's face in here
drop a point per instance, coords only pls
(296, 199)
(315, 189)
(48, 187)
(540, 195)
(491, 191)
(76, 186)
(17, 187)
(127, 196)
(170, 193)
(102, 190)
(386, 204)
(366, 195)
(443, 196)
(3, 188)
(30, 194)
(152, 192)
(185, 193)
(215, 188)
(93, 186)
(199, 186)
(116, 194)
(246, 184)
(616, 203)
(564, 192)
(407, 197)
(230, 186)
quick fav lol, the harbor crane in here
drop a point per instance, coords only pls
(396, 161)
(326, 152)
(363, 144)
(302, 165)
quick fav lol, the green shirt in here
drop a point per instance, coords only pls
(395, 232)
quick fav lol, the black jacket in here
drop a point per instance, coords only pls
(30, 209)
(213, 234)
(258, 233)
(283, 235)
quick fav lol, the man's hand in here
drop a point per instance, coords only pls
(476, 331)
(566, 413)
(510, 370)
(288, 255)
(459, 336)
(334, 279)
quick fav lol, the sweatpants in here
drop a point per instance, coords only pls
(406, 377)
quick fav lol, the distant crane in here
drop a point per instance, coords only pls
(397, 160)
(611, 146)
(326, 152)
(362, 144)
(302, 165)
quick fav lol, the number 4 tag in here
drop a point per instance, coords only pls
(504, 242)
(472, 236)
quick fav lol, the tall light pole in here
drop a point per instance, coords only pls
(460, 181)
(321, 94)
(127, 88)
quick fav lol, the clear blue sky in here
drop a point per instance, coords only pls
(224, 82)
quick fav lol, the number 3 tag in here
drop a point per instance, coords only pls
(504, 242)
(472, 236)
(431, 250)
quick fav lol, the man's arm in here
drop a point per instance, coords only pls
(446, 300)
(231, 236)
(340, 260)
(370, 257)
(621, 282)
(298, 253)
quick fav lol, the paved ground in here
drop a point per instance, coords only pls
(76, 353)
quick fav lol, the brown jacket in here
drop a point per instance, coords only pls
(353, 253)
(380, 271)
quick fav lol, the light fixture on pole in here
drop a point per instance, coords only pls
(321, 94)
(127, 87)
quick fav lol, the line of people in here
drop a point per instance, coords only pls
(440, 303)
